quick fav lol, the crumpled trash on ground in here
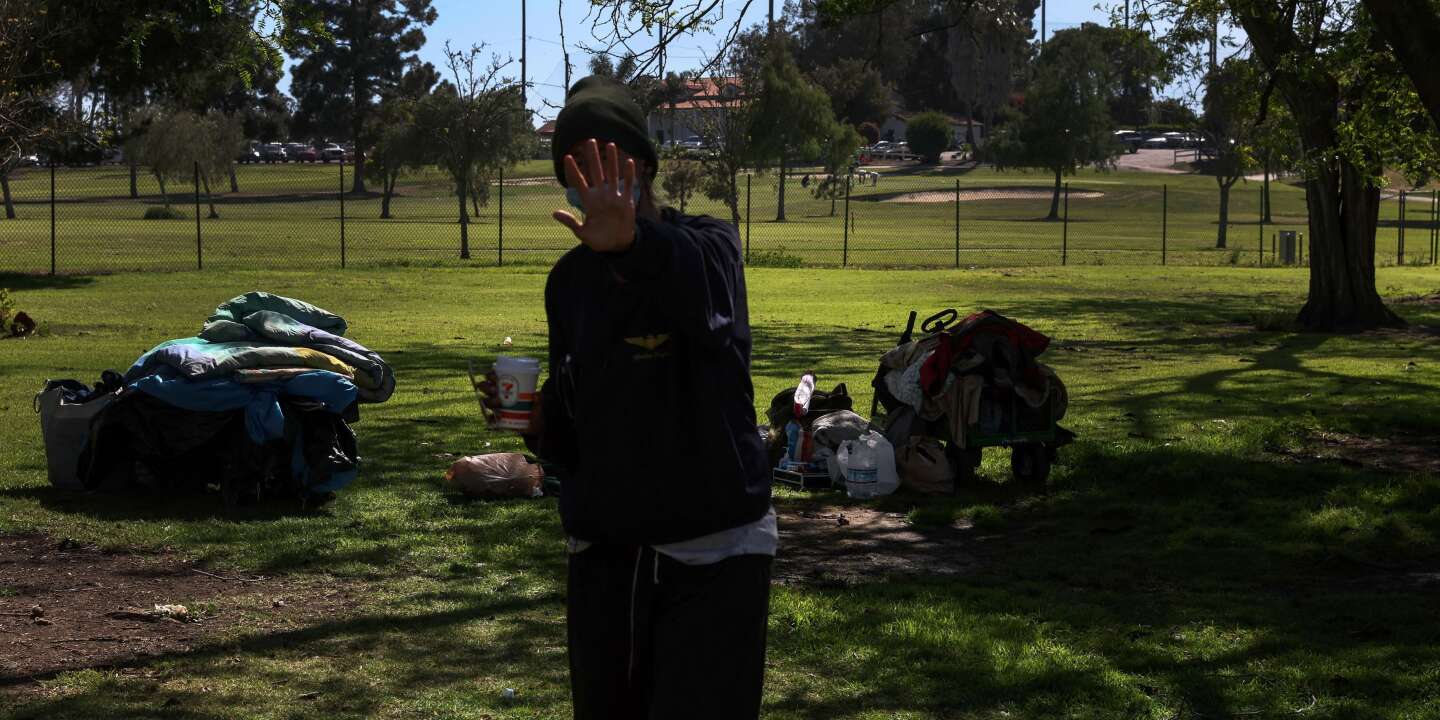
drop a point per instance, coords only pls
(497, 475)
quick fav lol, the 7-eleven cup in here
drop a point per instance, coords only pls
(516, 379)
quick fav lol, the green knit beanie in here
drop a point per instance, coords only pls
(598, 107)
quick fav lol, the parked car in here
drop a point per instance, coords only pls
(114, 156)
(248, 155)
(29, 160)
(1129, 139)
(332, 153)
(1160, 142)
(293, 150)
(307, 154)
(273, 153)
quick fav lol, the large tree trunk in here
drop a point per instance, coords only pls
(5, 190)
(1411, 27)
(209, 199)
(389, 187)
(234, 181)
(461, 190)
(1222, 232)
(1343, 213)
(164, 194)
(134, 185)
(1055, 200)
(1343, 207)
(780, 210)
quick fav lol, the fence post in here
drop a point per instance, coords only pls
(199, 249)
(747, 217)
(1065, 229)
(845, 246)
(1400, 238)
(500, 221)
(1262, 233)
(52, 217)
(1164, 223)
(342, 212)
(1434, 226)
(957, 223)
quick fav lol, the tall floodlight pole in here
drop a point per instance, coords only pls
(1042, 24)
(524, 79)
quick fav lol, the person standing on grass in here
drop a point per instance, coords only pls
(650, 410)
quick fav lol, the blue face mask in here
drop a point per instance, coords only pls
(573, 197)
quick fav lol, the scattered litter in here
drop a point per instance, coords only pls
(174, 612)
(508, 694)
(308, 696)
(277, 603)
(43, 621)
(507, 342)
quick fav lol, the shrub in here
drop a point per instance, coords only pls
(160, 212)
(929, 134)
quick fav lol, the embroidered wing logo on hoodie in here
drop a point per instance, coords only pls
(648, 342)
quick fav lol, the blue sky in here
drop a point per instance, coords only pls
(496, 23)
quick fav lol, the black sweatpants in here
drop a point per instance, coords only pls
(655, 639)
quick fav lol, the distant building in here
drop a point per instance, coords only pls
(546, 131)
(684, 119)
(894, 127)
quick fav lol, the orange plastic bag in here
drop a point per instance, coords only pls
(497, 475)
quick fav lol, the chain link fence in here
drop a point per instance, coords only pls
(115, 218)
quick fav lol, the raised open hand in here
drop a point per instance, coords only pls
(607, 197)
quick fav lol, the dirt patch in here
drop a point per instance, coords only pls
(1431, 300)
(64, 607)
(849, 545)
(1400, 454)
(945, 196)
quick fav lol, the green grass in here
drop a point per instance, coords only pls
(287, 216)
(1178, 567)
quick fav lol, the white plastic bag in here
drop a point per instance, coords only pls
(65, 428)
(868, 466)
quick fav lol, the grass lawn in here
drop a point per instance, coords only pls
(1184, 563)
(287, 216)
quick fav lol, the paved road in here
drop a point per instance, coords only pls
(1150, 160)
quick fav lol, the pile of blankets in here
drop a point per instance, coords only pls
(960, 377)
(259, 403)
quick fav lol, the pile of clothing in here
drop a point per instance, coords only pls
(964, 381)
(258, 404)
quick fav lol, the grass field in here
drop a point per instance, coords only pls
(1185, 562)
(287, 216)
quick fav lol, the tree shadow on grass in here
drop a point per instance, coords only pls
(458, 650)
(1164, 580)
(20, 282)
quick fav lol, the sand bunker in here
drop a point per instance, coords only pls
(945, 196)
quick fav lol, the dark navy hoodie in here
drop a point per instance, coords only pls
(649, 405)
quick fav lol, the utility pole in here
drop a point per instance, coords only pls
(1214, 41)
(1127, 14)
(523, 77)
(1042, 24)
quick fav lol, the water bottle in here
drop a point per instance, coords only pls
(861, 470)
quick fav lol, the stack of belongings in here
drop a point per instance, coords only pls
(964, 381)
(257, 405)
